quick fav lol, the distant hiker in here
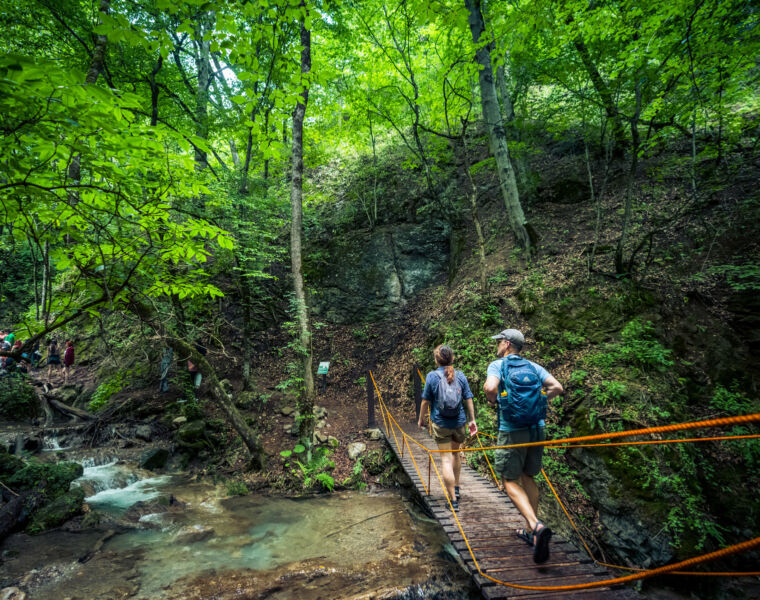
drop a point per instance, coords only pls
(53, 357)
(36, 356)
(166, 363)
(447, 392)
(68, 360)
(10, 337)
(195, 374)
(521, 412)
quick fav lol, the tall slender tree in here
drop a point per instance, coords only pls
(497, 134)
(306, 399)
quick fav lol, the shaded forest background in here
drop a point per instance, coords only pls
(586, 171)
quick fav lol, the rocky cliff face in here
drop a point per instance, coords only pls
(371, 274)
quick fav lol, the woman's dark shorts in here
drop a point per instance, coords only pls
(510, 464)
(54, 360)
(443, 435)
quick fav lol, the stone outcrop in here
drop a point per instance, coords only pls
(371, 274)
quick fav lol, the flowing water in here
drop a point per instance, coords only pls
(188, 540)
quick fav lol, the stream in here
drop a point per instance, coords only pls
(183, 539)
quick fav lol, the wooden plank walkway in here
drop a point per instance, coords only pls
(489, 520)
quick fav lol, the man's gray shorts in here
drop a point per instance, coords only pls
(510, 464)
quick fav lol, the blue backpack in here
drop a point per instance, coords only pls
(448, 397)
(524, 405)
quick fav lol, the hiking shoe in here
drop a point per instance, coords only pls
(542, 535)
(456, 493)
(455, 506)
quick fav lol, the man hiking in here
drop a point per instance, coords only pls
(522, 389)
(447, 392)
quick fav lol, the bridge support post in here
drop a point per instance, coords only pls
(370, 402)
(428, 488)
(417, 391)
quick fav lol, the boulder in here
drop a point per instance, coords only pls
(320, 438)
(158, 505)
(355, 449)
(12, 593)
(287, 410)
(320, 412)
(154, 458)
(68, 394)
(180, 421)
(332, 441)
(58, 511)
(374, 434)
(192, 432)
(144, 432)
(193, 534)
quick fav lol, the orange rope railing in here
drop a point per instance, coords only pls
(641, 573)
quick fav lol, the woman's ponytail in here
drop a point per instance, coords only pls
(444, 356)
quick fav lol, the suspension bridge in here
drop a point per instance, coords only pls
(483, 530)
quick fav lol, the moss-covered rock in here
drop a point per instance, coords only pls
(58, 511)
(192, 434)
(154, 458)
(53, 479)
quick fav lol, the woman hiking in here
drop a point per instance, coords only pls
(447, 392)
(54, 357)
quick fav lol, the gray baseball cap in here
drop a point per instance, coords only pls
(511, 335)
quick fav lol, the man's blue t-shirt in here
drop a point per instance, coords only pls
(430, 393)
(495, 369)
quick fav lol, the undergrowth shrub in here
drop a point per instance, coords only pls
(638, 346)
(18, 400)
(113, 385)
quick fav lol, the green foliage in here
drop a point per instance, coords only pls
(740, 278)
(733, 401)
(638, 347)
(57, 477)
(315, 471)
(297, 449)
(237, 488)
(113, 385)
(18, 400)
(578, 376)
(608, 392)
(355, 480)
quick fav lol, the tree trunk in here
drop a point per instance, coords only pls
(513, 133)
(620, 267)
(234, 153)
(45, 299)
(154, 92)
(603, 90)
(497, 133)
(185, 350)
(203, 67)
(306, 400)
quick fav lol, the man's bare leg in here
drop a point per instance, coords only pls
(531, 490)
(521, 500)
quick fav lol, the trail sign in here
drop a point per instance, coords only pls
(323, 368)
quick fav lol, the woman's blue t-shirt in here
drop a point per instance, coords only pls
(430, 393)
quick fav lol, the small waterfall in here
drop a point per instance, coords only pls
(114, 486)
